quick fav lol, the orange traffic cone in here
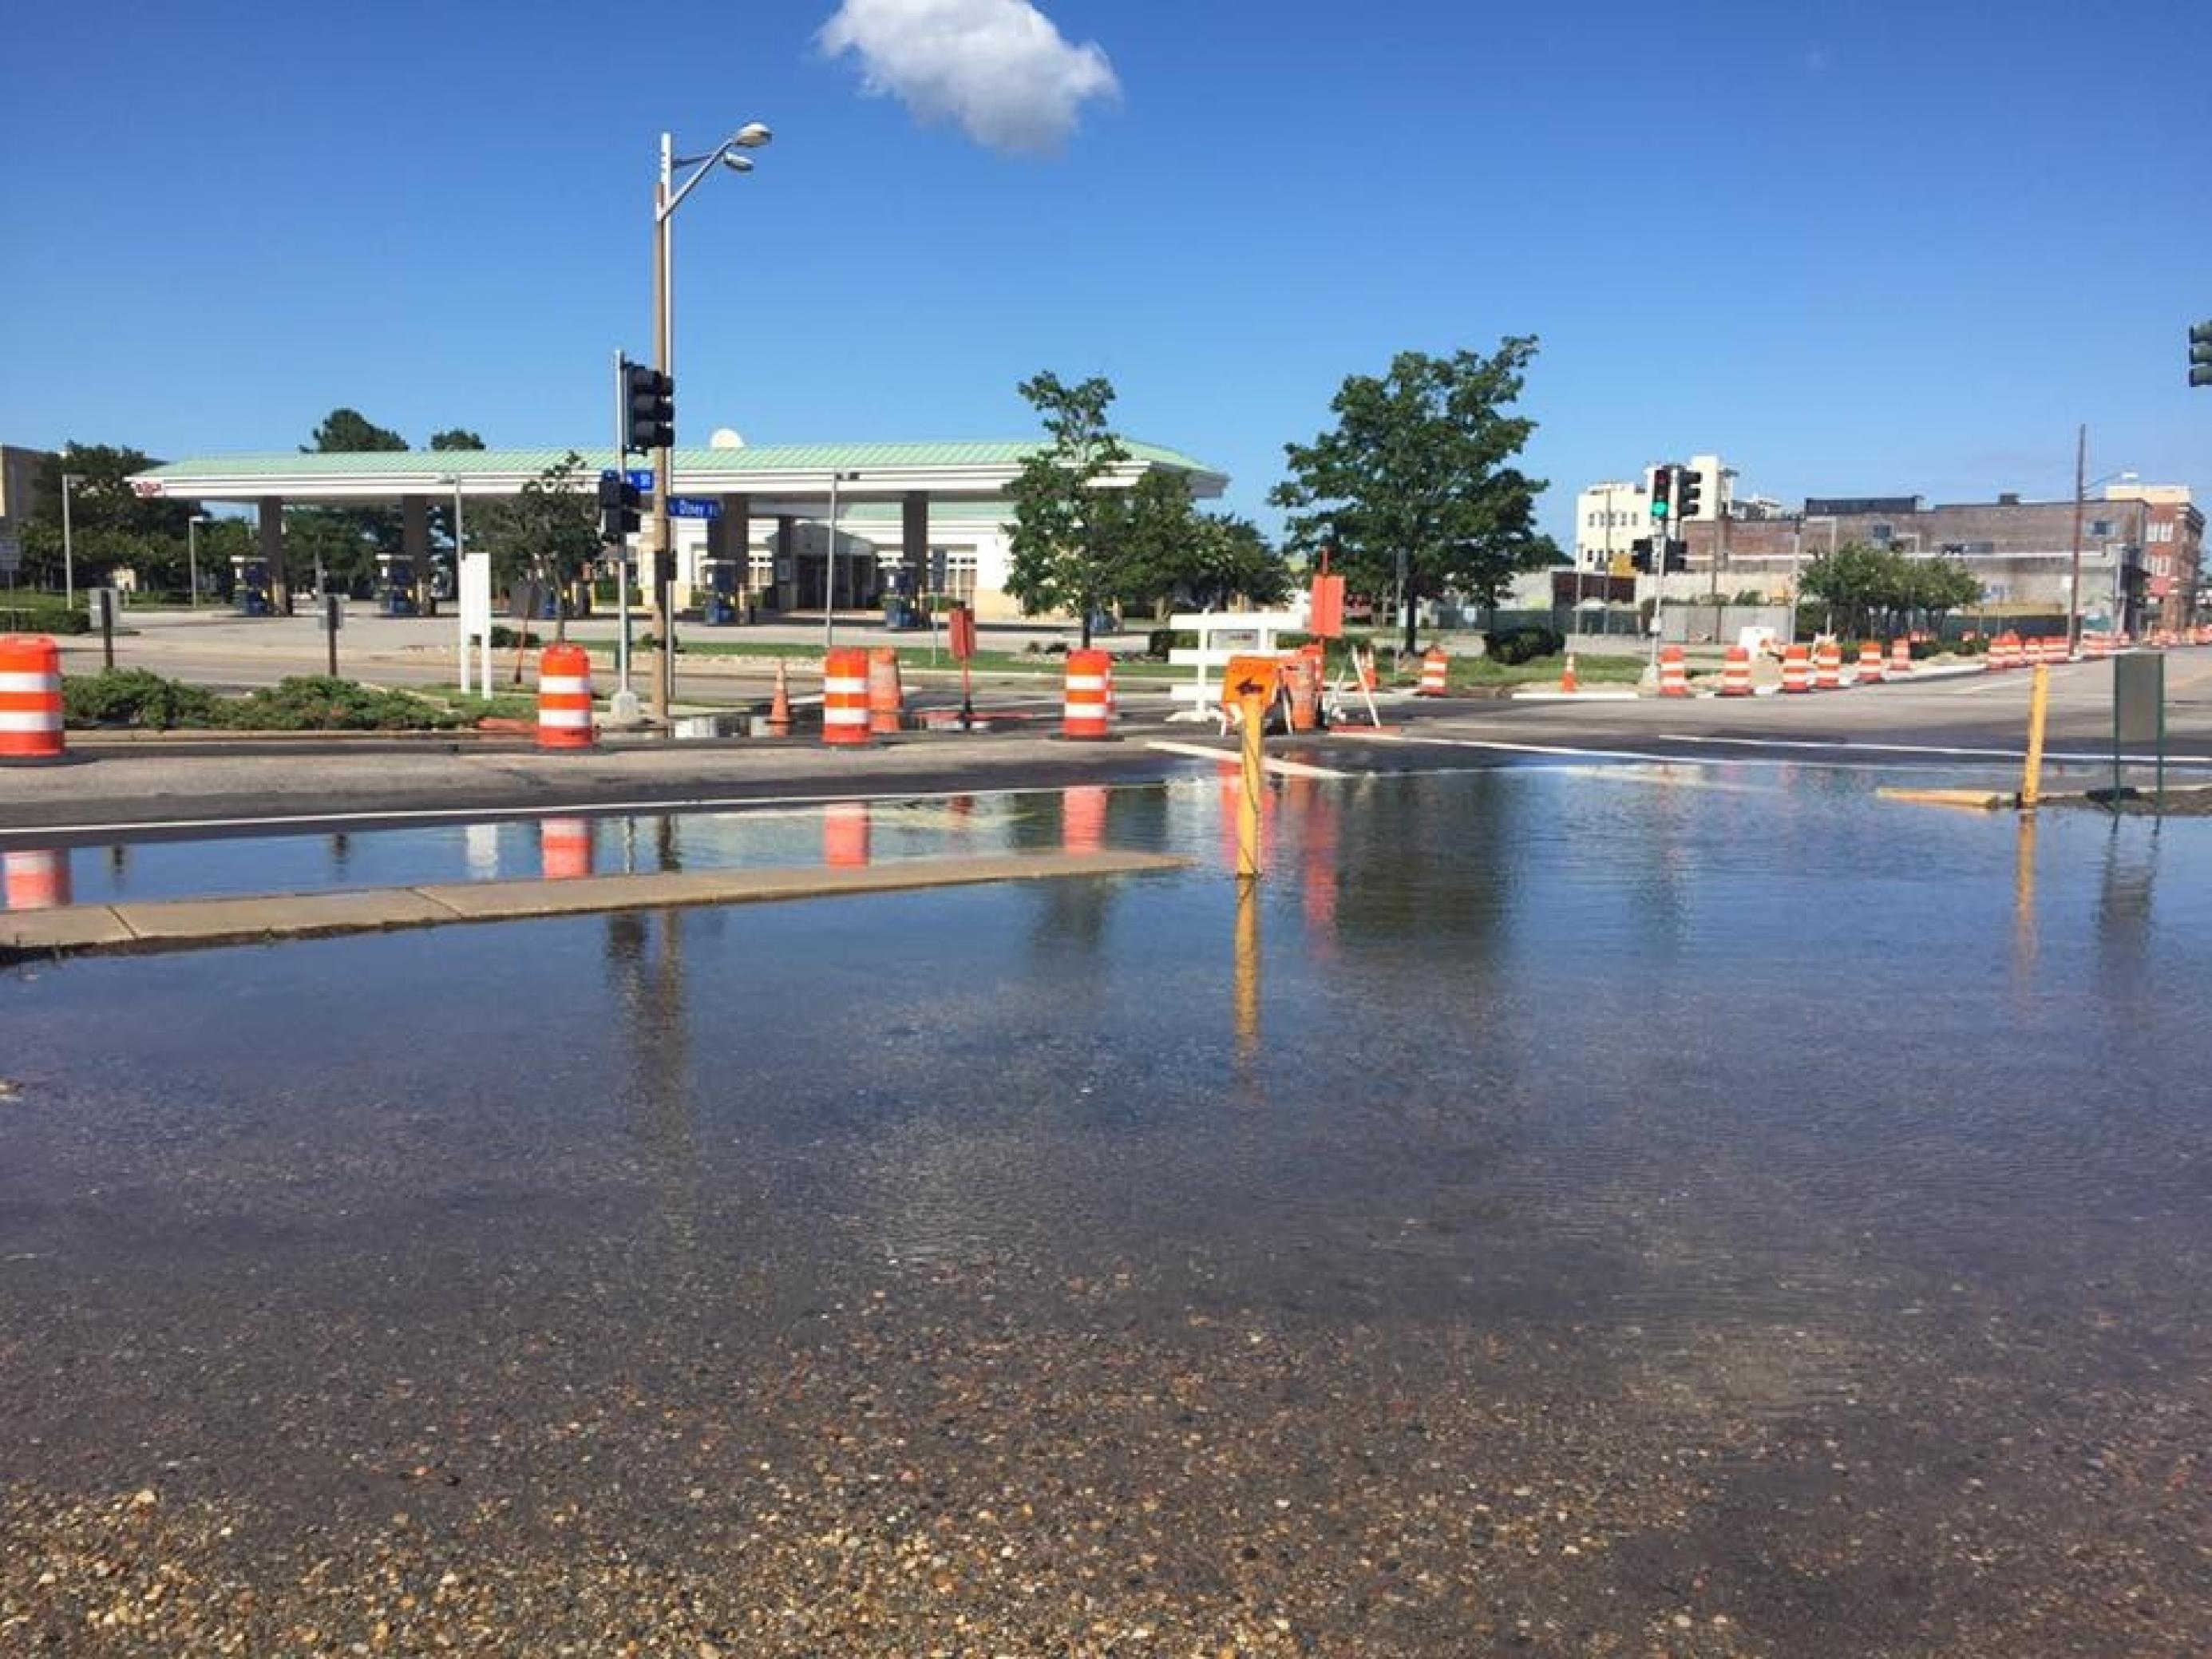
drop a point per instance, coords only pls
(1567, 680)
(779, 708)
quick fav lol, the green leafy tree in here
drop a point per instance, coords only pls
(110, 524)
(549, 533)
(1415, 488)
(341, 542)
(1871, 591)
(1064, 551)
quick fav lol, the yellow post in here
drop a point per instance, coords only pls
(2039, 705)
(1254, 711)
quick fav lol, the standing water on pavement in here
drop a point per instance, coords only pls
(1578, 1211)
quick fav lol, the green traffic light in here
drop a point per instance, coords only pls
(1659, 509)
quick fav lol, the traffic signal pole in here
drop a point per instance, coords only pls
(664, 457)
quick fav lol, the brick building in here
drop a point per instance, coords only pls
(2141, 549)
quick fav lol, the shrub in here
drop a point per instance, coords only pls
(1161, 641)
(1518, 645)
(318, 703)
(503, 637)
(132, 697)
(34, 618)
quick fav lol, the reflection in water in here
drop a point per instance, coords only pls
(36, 880)
(1083, 817)
(1248, 977)
(2023, 903)
(651, 1007)
(481, 841)
(565, 848)
(845, 835)
(2127, 877)
(1315, 810)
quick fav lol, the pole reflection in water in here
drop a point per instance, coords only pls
(36, 880)
(341, 851)
(1247, 999)
(2023, 903)
(652, 1007)
(845, 835)
(2125, 978)
(565, 848)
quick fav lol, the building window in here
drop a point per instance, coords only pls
(1879, 533)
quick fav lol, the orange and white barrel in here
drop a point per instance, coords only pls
(30, 697)
(2004, 650)
(845, 834)
(1736, 672)
(564, 848)
(1796, 669)
(36, 880)
(1870, 662)
(1086, 703)
(1435, 669)
(886, 696)
(1673, 672)
(1900, 656)
(564, 698)
(845, 697)
(1828, 666)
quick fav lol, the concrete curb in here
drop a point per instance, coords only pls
(188, 924)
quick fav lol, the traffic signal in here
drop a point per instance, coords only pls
(1678, 554)
(648, 409)
(1663, 490)
(1639, 553)
(2200, 354)
(618, 507)
(1688, 492)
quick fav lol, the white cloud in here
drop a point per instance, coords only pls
(1000, 68)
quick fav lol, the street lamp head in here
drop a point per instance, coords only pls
(736, 163)
(752, 136)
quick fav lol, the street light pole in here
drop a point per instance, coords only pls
(192, 553)
(829, 564)
(70, 481)
(667, 196)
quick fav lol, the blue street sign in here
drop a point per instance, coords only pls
(640, 478)
(694, 507)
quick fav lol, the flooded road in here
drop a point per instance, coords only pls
(1564, 1211)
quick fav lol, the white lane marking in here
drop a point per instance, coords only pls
(1289, 768)
(2102, 758)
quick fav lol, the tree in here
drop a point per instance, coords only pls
(549, 533)
(109, 523)
(1413, 488)
(1062, 559)
(1871, 591)
(342, 543)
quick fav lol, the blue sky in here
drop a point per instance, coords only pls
(1880, 247)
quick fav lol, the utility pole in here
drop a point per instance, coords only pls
(2074, 580)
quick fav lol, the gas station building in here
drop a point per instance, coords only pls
(909, 518)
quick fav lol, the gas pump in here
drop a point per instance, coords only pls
(395, 585)
(718, 603)
(249, 582)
